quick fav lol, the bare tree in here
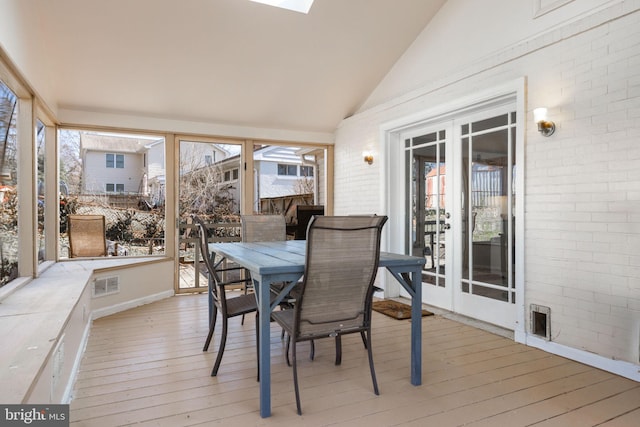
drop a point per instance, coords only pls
(202, 187)
(70, 162)
(304, 186)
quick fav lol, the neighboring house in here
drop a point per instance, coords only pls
(285, 171)
(123, 165)
(113, 164)
(156, 173)
(197, 155)
(280, 170)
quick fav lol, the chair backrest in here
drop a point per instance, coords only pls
(263, 228)
(209, 262)
(220, 274)
(341, 265)
(86, 236)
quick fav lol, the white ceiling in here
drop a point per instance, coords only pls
(227, 61)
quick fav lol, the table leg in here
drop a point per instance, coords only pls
(412, 282)
(416, 327)
(264, 350)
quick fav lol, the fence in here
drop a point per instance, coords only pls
(190, 250)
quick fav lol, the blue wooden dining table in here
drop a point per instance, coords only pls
(283, 261)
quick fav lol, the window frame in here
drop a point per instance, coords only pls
(114, 183)
(288, 167)
(116, 161)
(116, 188)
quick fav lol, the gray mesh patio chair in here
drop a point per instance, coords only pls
(262, 228)
(336, 295)
(228, 307)
(267, 228)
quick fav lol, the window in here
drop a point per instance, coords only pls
(287, 170)
(131, 199)
(41, 189)
(9, 217)
(231, 175)
(208, 159)
(115, 161)
(118, 188)
(288, 175)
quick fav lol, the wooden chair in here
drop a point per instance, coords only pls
(336, 293)
(228, 307)
(86, 236)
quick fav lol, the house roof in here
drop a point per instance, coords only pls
(111, 143)
(224, 61)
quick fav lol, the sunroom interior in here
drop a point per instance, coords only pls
(148, 111)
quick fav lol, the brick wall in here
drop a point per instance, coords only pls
(582, 186)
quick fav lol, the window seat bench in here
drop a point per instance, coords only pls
(44, 325)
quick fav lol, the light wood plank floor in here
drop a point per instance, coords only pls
(146, 367)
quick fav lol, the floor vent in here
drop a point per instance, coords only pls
(106, 286)
(541, 321)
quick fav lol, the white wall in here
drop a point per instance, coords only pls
(582, 188)
(467, 31)
(156, 165)
(138, 284)
(97, 175)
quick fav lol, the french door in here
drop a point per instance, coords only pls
(427, 153)
(460, 192)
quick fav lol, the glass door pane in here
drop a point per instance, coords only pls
(290, 180)
(210, 187)
(487, 224)
(426, 164)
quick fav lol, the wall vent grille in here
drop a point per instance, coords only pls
(106, 286)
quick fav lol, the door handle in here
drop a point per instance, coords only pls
(447, 226)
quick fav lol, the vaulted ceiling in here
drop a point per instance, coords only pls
(227, 61)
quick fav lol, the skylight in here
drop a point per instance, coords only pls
(301, 6)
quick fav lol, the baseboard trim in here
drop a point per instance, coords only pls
(107, 311)
(618, 367)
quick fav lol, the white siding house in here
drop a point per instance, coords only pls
(280, 171)
(113, 164)
(156, 172)
(283, 170)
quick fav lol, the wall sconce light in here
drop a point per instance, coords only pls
(545, 127)
(368, 157)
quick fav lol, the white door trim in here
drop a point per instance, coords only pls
(394, 171)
